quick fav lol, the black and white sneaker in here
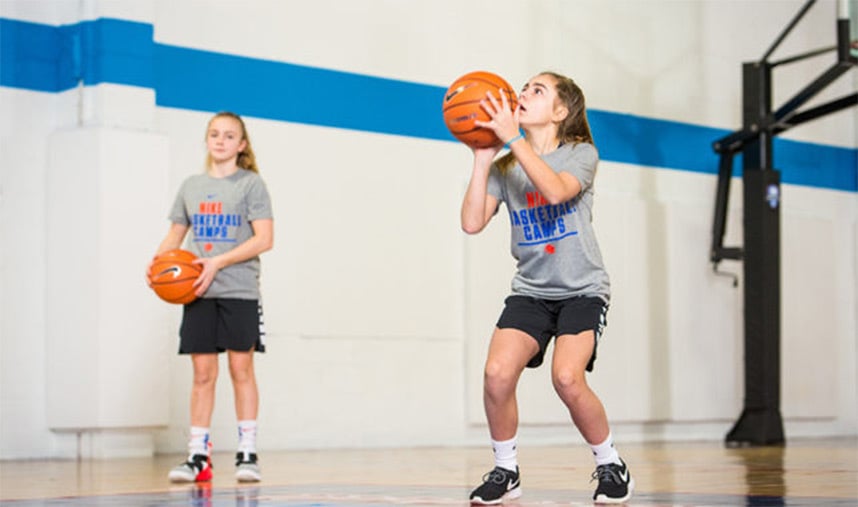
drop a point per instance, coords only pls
(198, 468)
(498, 484)
(247, 467)
(615, 483)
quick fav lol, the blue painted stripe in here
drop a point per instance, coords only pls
(659, 143)
(206, 81)
(53, 59)
(816, 165)
(652, 142)
(35, 57)
(119, 52)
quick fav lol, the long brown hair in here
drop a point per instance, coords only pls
(574, 128)
(246, 158)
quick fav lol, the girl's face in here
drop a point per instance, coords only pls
(225, 139)
(539, 103)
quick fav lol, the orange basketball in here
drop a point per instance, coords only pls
(172, 275)
(462, 107)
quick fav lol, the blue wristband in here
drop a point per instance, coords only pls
(514, 139)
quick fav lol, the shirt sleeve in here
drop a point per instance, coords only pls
(179, 212)
(581, 162)
(258, 201)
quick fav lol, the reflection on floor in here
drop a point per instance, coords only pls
(803, 473)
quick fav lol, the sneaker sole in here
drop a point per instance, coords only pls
(180, 478)
(247, 477)
(204, 476)
(509, 495)
(602, 499)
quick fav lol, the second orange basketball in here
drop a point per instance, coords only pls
(461, 107)
(172, 276)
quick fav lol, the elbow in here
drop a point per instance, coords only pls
(471, 228)
(560, 194)
(556, 199)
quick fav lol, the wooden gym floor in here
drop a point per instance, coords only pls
(802, 473)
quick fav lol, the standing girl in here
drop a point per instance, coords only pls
(560, 290)
(228, 213)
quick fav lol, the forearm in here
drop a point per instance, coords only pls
(554, 187)
(261, 241)
(474, 204)
(173, 239)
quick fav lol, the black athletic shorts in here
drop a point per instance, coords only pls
(218, 324)
(544, 319)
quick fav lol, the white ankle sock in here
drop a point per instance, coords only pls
(506, 453)
(247, 435)
(605, 453)
(199, 441)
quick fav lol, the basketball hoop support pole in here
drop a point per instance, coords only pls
(761, 422)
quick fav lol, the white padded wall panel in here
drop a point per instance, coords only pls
(103, 336)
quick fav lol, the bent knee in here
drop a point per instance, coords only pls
(498, 376)
(569, 382)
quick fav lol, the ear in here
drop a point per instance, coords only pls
(242, 146)
(560, 113)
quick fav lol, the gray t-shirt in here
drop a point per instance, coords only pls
(218, 212)
(555, 245)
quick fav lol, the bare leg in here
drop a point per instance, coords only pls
(203, 390)
(244, 384)
(571, 355)
(509, 352)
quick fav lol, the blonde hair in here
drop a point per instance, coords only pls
(246, 159)
(574, 128)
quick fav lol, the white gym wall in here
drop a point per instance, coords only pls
(377, 307)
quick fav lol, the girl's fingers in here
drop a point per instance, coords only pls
(492, 99)
(504, 101)
(491, 105)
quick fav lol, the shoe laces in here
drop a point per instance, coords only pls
(496, 476)
(607, 473)
(197, 461)
(243, 457)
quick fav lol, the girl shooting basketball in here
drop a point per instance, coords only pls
(560, 290)
(227, 211)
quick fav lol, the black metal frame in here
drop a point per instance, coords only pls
(760, 422)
